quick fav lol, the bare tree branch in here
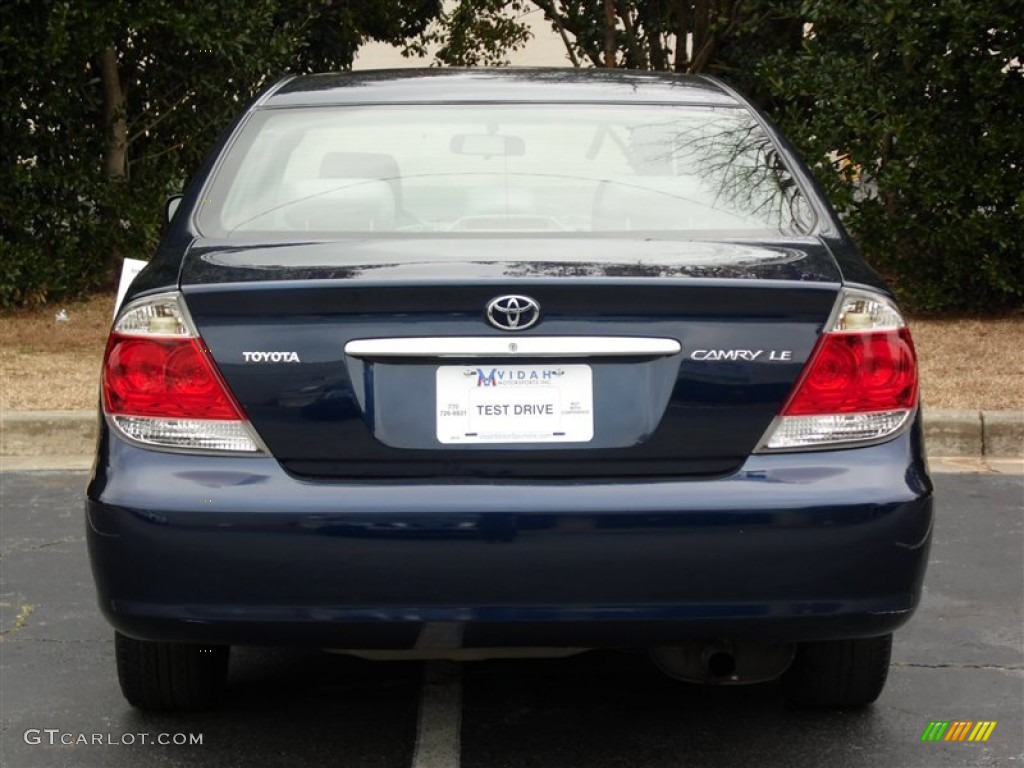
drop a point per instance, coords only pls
(163, 113)
(554, 15)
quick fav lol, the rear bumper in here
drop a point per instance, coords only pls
(791, 547)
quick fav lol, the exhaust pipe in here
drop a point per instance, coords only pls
(724, 661)
(719, 663)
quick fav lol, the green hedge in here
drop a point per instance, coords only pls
(910, 114)
(914, 112)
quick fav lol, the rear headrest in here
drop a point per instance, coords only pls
(338, 205)
(359, 165)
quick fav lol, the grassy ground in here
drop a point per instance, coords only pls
(51, 365)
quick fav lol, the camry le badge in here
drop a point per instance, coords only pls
(513, 313)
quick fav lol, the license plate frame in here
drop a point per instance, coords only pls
(496, 404)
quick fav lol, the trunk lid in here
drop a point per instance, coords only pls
(277, 320)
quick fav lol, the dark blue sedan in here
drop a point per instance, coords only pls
(441, 362)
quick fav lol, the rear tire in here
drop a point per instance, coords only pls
(839, 673)
(170, 677)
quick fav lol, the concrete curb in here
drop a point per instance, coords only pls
(981, 434)
(969, 434)
(47, 433)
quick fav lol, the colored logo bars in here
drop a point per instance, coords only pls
(958, 730)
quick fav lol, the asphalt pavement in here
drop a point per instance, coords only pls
(960, 658)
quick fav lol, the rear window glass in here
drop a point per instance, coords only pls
(503, 168)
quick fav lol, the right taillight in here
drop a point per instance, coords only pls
(859, 385)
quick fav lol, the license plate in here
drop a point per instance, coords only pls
(515, 404)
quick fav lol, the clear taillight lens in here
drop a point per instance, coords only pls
(860, 383)
(160, 387)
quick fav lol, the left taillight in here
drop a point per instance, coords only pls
(162, 390)
(859, 385)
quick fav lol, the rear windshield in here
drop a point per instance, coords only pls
(503, 168)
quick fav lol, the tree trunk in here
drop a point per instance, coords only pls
(701, 27)
(682, 58)
(116, 158)
(636, 57)
(654, 26)
(609, 33)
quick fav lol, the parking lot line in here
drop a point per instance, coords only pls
(438, 730)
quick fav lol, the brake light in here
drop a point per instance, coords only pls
(853, 372)
(160, 387)
(163, 377)
(860, 383)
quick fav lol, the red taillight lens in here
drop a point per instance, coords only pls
(856, 373)
(163, 377)
(859, 385)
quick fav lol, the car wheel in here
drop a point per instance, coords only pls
(170, 677)
(839, 673)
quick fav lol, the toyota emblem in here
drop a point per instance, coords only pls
(513, 313)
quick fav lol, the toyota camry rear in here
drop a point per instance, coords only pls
(443, 361)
